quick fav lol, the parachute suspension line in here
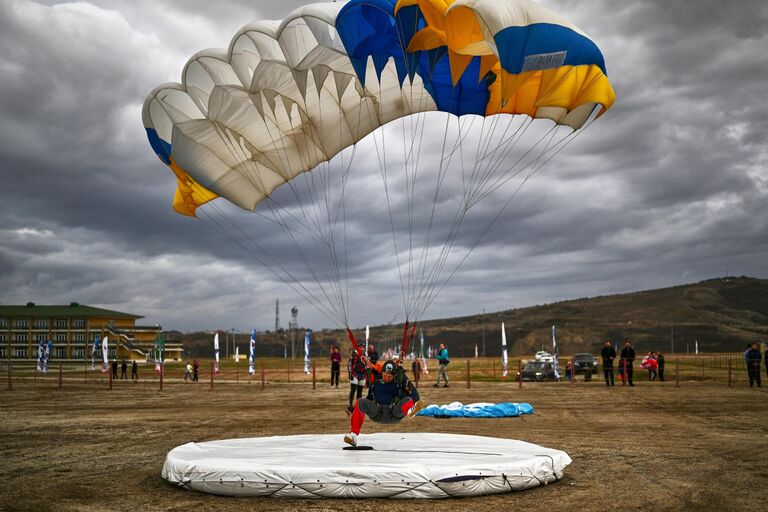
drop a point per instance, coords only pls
(381, 158)
(535, 167)
(293, 283)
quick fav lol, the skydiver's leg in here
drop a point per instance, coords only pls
(352, 391)
(359, 391)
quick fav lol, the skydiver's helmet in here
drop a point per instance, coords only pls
(395, 370)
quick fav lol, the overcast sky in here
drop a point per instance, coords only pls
(669, 187)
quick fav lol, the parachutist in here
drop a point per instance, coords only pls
(391, 398)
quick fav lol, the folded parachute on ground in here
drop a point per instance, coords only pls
(288, 95)
(477, 410)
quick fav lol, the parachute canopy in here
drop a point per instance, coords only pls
(288, 95)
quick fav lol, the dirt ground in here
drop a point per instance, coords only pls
(656, 447)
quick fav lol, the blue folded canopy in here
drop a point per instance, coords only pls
(478, 410)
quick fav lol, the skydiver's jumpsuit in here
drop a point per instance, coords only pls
(385, 403)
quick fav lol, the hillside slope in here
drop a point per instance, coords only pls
(722, 314)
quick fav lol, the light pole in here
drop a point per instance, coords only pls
(233, 341)
(483, 321)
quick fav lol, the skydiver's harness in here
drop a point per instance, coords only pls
(404, 390)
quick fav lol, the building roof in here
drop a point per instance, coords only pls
(73, 309)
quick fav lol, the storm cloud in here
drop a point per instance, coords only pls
(669, 187)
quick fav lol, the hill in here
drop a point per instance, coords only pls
(722, 314)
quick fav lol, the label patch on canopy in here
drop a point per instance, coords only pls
(544, 61)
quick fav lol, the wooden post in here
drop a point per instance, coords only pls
(237, 375)
(262, 376)
(35, 377)
(110, 378)
(493, 369)
(520, 373)
(469, 376)
(288, 369)
(730, 372)
(85, 374)
(162, 372)
(573, 372)
(677, 372)
(313, 375)
(10, 377)
(212, 373)
(61, 383)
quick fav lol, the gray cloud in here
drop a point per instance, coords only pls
(670, 186)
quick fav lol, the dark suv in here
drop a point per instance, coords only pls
(538, 370)
(585, 363)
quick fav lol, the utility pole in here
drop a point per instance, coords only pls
(483, 321)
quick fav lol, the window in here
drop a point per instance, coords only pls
(20, 337)
(61, 353)
(78, 353)
(20, 323)
(20, 352)
(2, 336)
(3, 323)
(78, 323)
(2, 352)
(79, 337)
(61, 337)
(41, 323)
(61, 323)
(111, 323)
(40, 337)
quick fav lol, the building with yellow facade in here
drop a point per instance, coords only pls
(72, 330)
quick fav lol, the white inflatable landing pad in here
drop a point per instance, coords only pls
(421, 465)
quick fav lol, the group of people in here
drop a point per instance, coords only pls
(392, 396)
(653, 362)
(192, 371)
(124, 370)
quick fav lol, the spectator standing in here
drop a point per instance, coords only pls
(123, 370)
(357, 377)
(195, 370)
(373, 357)
(114, 369)
(416, 370)
(134, 371)
(660, 361)
(608, 354)
(188, 373)
(442, 368)
(335, 365)
(627, 360)
(649, 363)
(753, 365)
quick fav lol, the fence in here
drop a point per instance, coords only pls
(727, 369)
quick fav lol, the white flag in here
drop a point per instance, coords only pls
(554, 354)
(307, 339)
(367, 335)
(237, 353)
(504, 358)
(252, 354)
(105, 354)
(697, 346)
(216, 351)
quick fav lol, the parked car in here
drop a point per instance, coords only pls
(585, 363)
(544, 357)
(538, 371)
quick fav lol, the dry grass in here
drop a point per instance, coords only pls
(656, 447)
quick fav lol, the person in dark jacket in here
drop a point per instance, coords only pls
(123, 370)
(357, 375)
(335, 366)
(753, 365)
(373, 357)
(627, 358)
(391, 397)
(114, 369)
(134, 371)
(195, 370)
(608, 354)
(660, 360)
(416, 371)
